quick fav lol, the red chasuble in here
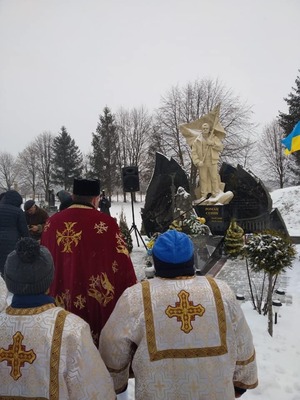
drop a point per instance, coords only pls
(92, 263)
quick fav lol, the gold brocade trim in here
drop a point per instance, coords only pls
(246, 362)
(177, 278)
(155, 354)
(28, 311)
(91, 207)
(55, 354)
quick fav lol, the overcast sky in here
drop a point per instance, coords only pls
(63, 61)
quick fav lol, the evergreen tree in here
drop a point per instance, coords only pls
(125, 231)
(234, 239)
(67, 160)
(288, 121)
(104, 153)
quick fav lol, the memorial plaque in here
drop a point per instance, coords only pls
(217, 217)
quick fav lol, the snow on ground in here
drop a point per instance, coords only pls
(287, 202)
(278, 357)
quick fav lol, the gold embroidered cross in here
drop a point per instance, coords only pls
(121, 246)
(101, 227)
(16, 356)
(185, 311)
(68, 237)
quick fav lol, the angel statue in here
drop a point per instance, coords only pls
(205, 136)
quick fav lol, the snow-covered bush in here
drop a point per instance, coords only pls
(271, 253)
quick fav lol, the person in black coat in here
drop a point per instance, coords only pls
(104, 203)
(13, 224)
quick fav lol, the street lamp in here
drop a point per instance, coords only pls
(280, 293)
(240, 297)
(276, 307)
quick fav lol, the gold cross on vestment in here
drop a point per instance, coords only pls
(16, 356)
(185, 311)
(68, 237)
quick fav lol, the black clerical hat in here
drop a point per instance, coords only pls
(86, 187)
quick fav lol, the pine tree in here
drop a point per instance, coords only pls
(125, 231)
(104, 154)
(288, 121)
(67, 160)
(234, 239)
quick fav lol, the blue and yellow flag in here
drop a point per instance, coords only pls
(292, 141)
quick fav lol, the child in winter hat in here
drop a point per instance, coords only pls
(29, 269)
(173, 255)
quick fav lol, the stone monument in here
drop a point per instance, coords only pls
(251, 204)
(158, 211)
(167, 199)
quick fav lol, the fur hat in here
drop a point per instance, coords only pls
(28, 204)
(86, 187)
(173, 255)
(29, 269)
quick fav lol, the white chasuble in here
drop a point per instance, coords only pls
(187, 339)
(48, 353)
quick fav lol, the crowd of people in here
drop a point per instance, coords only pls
(76, 324)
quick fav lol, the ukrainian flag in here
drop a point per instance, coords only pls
(292, 141)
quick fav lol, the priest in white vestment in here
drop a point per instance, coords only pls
(184, 336)
(45, 351)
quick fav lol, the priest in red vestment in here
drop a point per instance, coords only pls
(92, 263)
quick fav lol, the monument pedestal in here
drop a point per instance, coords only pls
(217, 217)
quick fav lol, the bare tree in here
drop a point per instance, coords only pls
(135, 130)
(183, 105)
(124, 126)
(8, 171)
(86, 165)
(273, 163)
(43, 145)
(28, 170)
(169, 116)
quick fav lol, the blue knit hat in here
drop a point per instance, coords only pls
(173, 255)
